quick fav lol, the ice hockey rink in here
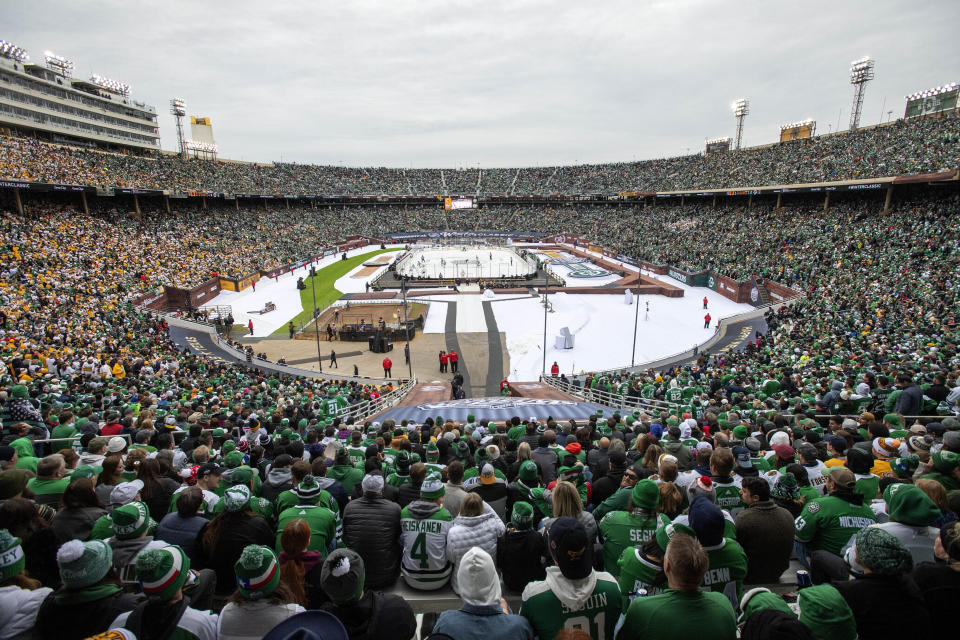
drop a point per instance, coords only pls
(464, 262)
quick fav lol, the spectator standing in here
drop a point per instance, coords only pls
(387, 366)
(765, 531)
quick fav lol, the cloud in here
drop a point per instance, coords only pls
(457, 82)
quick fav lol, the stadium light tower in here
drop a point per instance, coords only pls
(58, 64)
(12, 51)
(861, 72)
(741, 109)
(179, 109)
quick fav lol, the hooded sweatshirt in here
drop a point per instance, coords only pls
(912, 514)
(549, 604)
(278, 481)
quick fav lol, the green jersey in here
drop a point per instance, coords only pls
(471, 478)
(323, 525)
(45, 486)
(728, 495)
(728, 568)
(357, 454)
(675, 395)
(423, 535)
(622, 529)
(680, 615)
(335, 406)
(347, 475)
(637, 572)
(597, 614)
(616, 502)
(829, 522)
(397, 480)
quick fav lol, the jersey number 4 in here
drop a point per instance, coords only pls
(418, 550)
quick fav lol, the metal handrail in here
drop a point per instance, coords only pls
(626, 403)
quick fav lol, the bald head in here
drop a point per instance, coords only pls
(604, 442)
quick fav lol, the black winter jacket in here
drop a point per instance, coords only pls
(371, 527)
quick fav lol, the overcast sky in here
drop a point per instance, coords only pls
(527, 82)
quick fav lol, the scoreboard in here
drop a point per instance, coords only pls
(797, 130)
(923, 103)
(459, 203)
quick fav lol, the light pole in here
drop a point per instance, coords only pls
(636, 319)
(546, 303)
(861, 72)
(741, 109)
(406, 325)
(316, 316)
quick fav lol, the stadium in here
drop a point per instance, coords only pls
(242, 399)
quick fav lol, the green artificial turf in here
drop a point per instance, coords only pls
(326, 293)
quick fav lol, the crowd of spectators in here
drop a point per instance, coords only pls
(219, 521)
(925, 145)
(154, 447)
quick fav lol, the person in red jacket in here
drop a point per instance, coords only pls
(706, 321)
(453, 358)
(444, 357)
(387, 365)
(250, 326)
(704, 302)
(555, 370)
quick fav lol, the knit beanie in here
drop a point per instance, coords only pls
(945, 461)
(786, 488)
(522, 515)
(433, 453)
(905, 466)
(12, 560)
(761, 598)
(528, 471)
(667, 530)
(882, 552)
(432, 487)
(645, 494)
(884, 448)
(707, 520)
(308, 490)
(859, 461)
(910, 505)
(402, 462)
(130, 520)
(257, 572)
(342, 576)
(372, 482)
(703, 486)
(83, 563)
(240, 475)
(236, 498)
(233, 460)
(228, 447)
(774, 624)
(826, 613)
(163, 572)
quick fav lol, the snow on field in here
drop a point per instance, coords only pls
(282, 292)
(602, 326)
